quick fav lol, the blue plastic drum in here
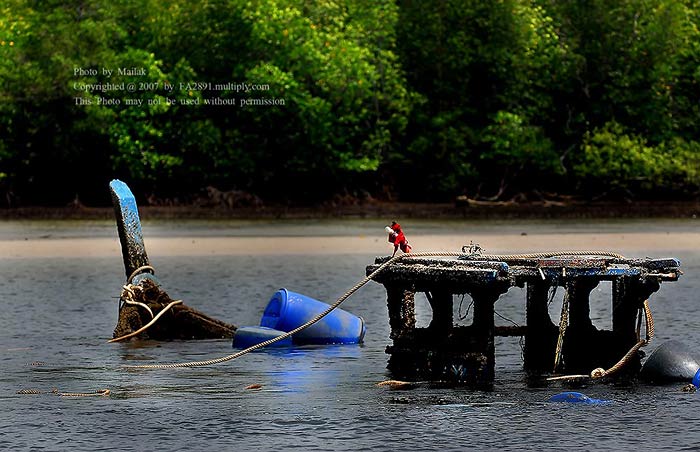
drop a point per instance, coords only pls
(288, 310)
(247, 336)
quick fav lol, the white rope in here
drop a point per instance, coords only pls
(364, 281)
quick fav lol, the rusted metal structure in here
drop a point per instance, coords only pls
(444, 351)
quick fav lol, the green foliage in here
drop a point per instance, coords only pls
(614, 158)
(515, 143)
(629, 61)
(611, 158)
(683, 161)
(465, 96)
(334, 64)
(472, 61)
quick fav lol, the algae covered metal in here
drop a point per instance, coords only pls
(466, 354)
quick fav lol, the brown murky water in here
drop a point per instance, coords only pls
(58, 294)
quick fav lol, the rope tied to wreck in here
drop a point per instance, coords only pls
(473, 252)
(138, 271)
(129, 295)
(149, 324)
(129, 290)
(356, 287)
(563, 323)
(314, 320)
(600, 372)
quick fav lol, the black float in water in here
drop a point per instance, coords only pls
(671, 361)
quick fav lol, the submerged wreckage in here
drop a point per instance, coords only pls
(148, 312)
(145, 309)
(465, 354)
(442, 351)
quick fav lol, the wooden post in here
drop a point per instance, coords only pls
(483, 325)
(128, 227)
(629, 294)
(541, 334)
(581, 355)
(628, 297)
(402, 309)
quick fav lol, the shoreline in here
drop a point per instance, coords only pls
(376, 209)
(631, 243)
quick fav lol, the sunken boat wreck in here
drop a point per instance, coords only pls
(572, 348)
(443, 351)
(145, 309)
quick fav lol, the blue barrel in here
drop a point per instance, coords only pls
(247, 336)
(288, 310)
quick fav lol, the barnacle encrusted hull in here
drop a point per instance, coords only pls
(181, 322)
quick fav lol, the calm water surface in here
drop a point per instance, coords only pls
(60, 312)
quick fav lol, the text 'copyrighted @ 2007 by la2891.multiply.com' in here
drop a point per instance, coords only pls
(135, 87)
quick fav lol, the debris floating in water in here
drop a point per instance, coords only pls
(577, 397)
(289, 310)
(397, 384)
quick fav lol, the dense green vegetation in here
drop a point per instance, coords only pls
(406, 99)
